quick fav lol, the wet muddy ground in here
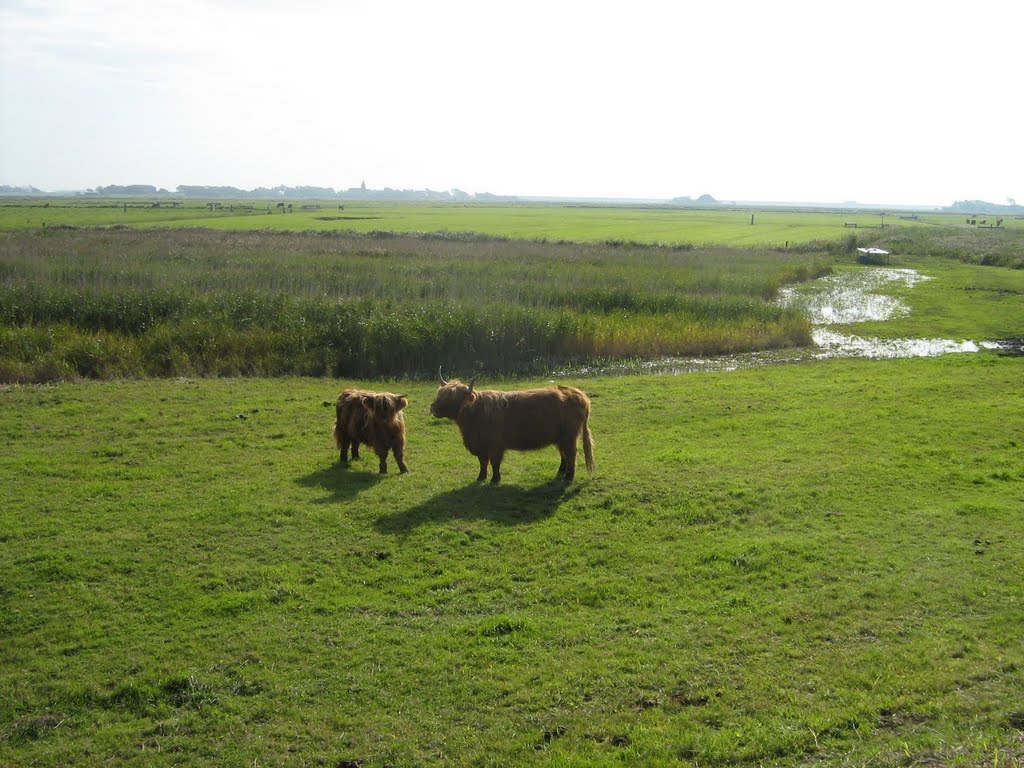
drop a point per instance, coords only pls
(850, 297)
(840, 299)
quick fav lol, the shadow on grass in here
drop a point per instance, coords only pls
(343, 481)
(505, 504)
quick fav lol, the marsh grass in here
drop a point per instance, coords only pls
(104, 303)
(1002, 247)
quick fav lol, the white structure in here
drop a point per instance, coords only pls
(870, 253)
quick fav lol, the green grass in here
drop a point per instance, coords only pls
(788, 566)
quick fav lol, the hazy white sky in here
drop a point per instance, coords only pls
(902, 101)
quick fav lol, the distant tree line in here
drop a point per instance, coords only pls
(130, 189)
(702, 200)
(7, 189)
(981, 206)
(278, 192)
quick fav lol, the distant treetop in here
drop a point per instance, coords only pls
(702, 200)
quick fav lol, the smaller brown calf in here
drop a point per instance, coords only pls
(373, 418)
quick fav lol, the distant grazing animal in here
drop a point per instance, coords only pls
(492, 422)
(373, 418)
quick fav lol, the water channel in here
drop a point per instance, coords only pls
(844, 298)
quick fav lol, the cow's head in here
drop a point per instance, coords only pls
(385, 406)
(451, 396)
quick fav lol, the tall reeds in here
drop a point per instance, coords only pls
(102, 303)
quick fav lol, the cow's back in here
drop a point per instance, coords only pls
(535, 418)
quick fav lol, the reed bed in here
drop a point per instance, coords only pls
(116, 303)
(986, 245)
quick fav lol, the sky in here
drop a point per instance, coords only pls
(902, 101)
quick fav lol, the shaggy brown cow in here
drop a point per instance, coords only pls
(373, 418)
(492, 422)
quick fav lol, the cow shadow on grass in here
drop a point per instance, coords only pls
(503, 504)
(342, 481)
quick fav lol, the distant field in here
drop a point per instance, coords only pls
(770, 228)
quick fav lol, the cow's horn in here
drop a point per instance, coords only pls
(441, 376)
(471, 383)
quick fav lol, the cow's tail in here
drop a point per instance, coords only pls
(337, 425)
(588, 445)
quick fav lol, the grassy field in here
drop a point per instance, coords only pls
(771, 228)
(795, 565)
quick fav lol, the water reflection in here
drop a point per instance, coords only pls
(849, 297)
(831, 344)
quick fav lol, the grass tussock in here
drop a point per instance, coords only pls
(120, 303)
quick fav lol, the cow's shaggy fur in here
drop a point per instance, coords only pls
(373, 418)
(492, 422)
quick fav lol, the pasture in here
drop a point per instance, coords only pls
(772, 228)
(794, 565)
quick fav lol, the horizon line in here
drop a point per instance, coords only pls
(368, 191)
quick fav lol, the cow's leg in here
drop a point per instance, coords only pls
(383, 456)
(496, 466)
(400, 459)
(355, 448)
(483, 469)
(568, 467)
(344, 448)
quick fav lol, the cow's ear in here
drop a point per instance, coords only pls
(401, 402)
(366, 401)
